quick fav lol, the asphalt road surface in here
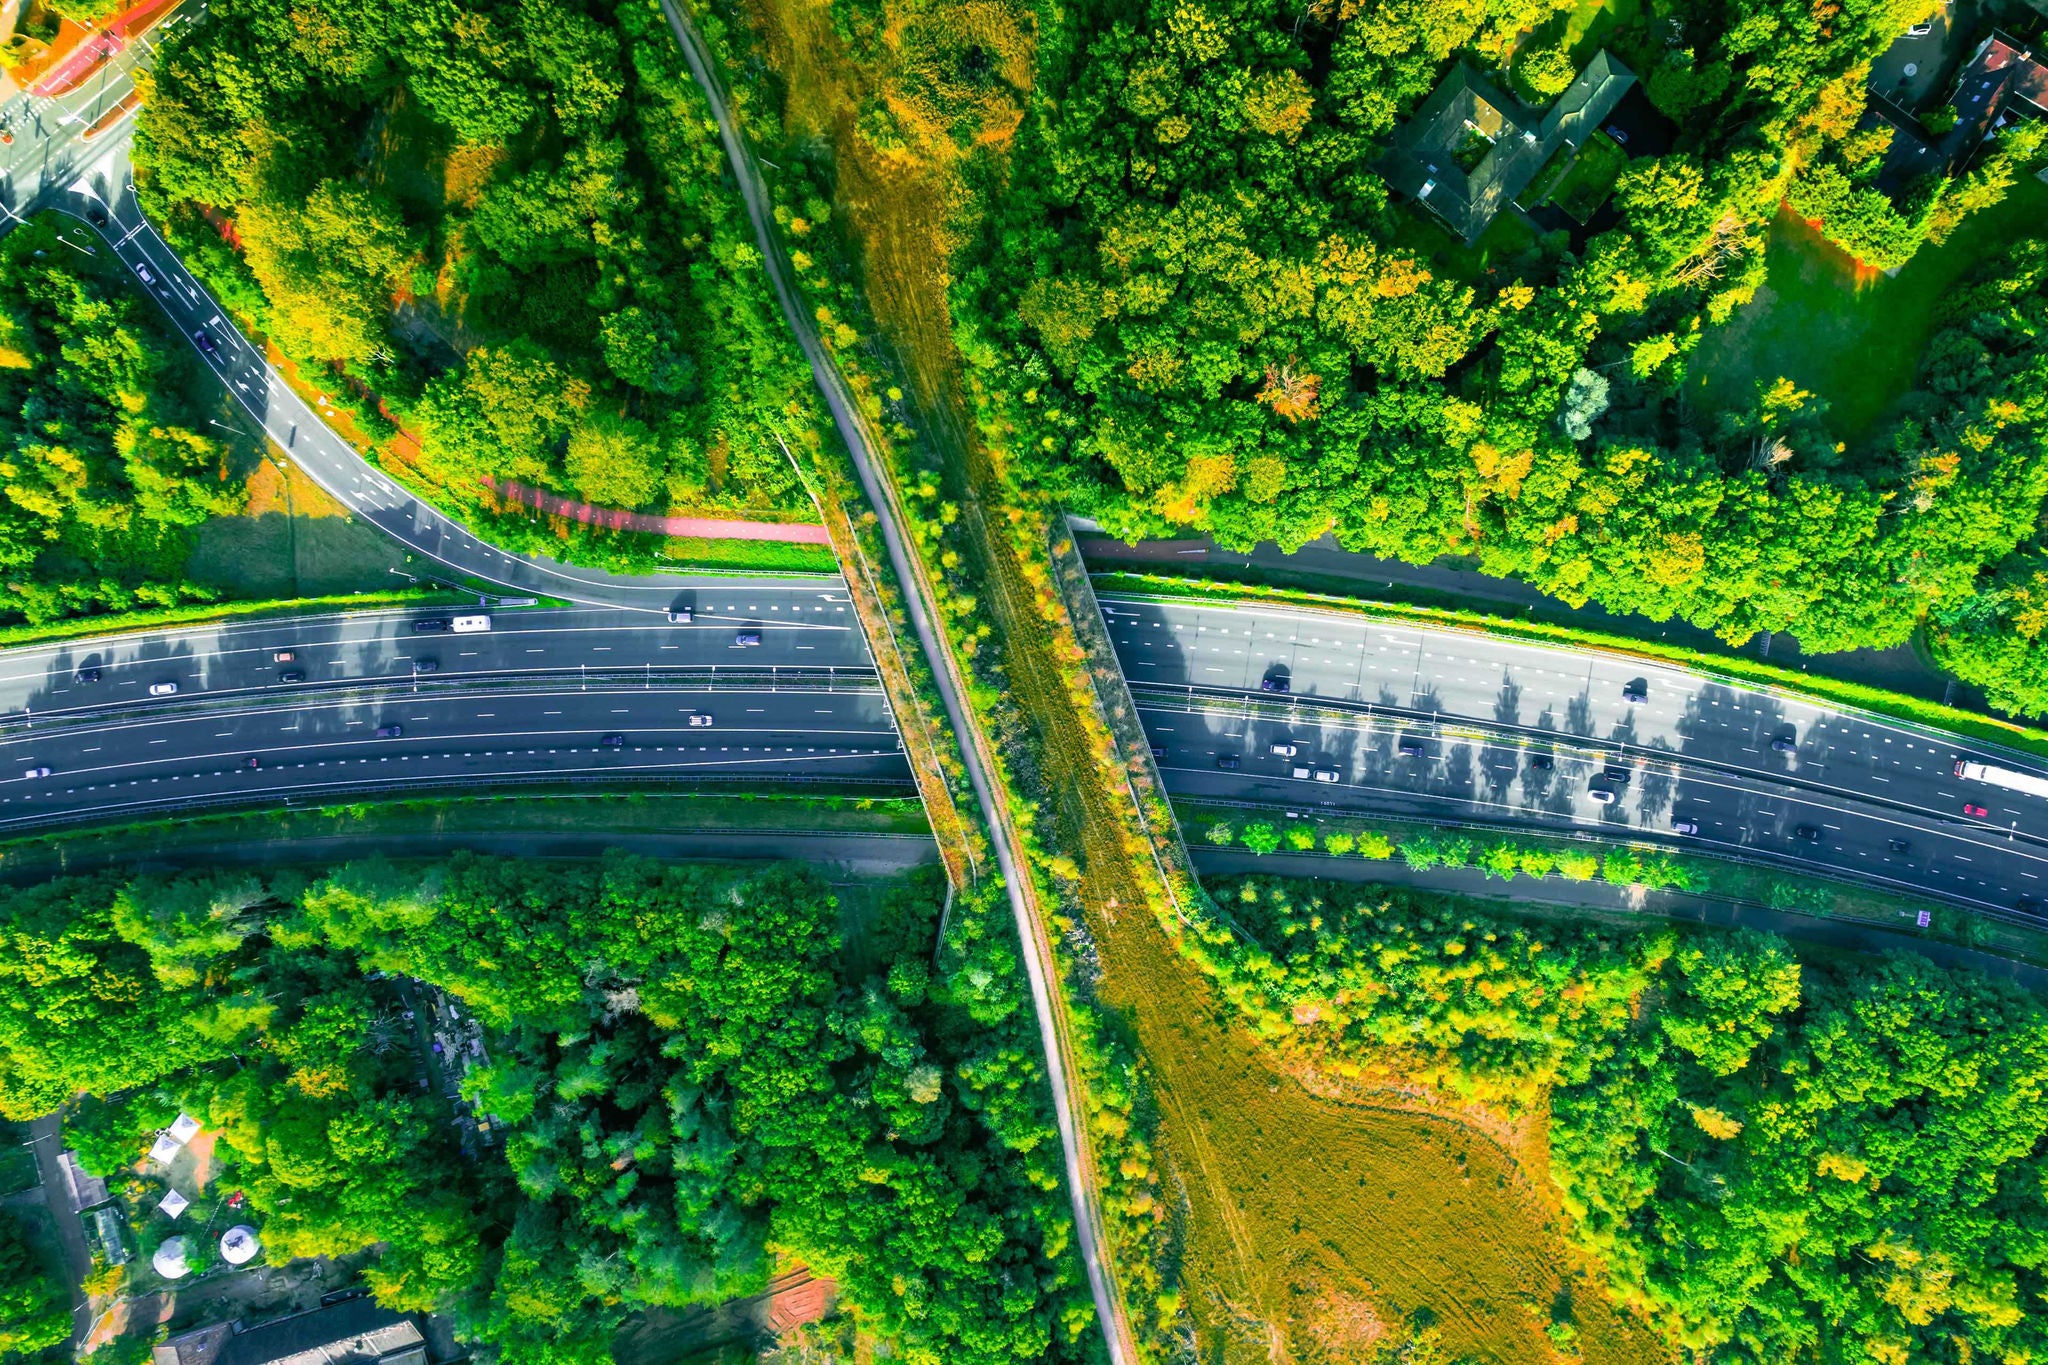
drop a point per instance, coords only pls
(1417, 722)
(545, 694)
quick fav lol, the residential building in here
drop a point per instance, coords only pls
(357, 1332)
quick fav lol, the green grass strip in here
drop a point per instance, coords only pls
(199, 613)
(1954, 720)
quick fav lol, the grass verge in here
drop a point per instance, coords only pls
(1753, 672)
(115, 623)
(821, 812)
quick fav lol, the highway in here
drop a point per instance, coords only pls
(364, 701)
(1419, 722)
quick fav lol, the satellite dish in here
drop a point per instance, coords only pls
(169, 1260)
(238, 1245)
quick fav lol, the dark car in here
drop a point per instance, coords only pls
(1785, 744)
(1635, 691)
(2027, 905)
(1275, 682)
(1618, 774)
(1159, 751)
(1409, 747)
(426, 665)
(613, 741)
(390, 731)
(289, 675)
(86, 675)
(1899, 846)
(1685, 827)
(204, 341)
(1227, 762)
(1808, 834)
(1542, 763)
(96, 215)
(430, 625)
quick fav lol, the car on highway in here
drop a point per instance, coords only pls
(426, 665)
(1899, 846)
(1618, 773)
(1275, 682)
(1542, 763)
(1283, 750)
(253, 762)
(291, 675)
(430, 625)
(1682, 826)
(142, 273)
(37, 772)
(746, 639)
(390, 731)
(204, 341)
(1637, 691)
(1158, 751)
(163, 689)
(86, 675)
(1604, 796)
(285, 656)
(1326, 774)
(1806, 834)
(1974, 811)
(1785, 744)
(1301, 772)
(681, 616)
(1409, 747)
(2027, 905)
(1227, 762)
(475, 623)
(700, 720)
(613, 741)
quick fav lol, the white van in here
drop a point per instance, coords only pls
(470, 625)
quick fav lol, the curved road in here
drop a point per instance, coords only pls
(1413, 721)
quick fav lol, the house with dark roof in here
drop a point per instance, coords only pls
(1470, 150)
(2003, 81)
(357, 1332)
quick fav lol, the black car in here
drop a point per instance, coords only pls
(426, 665)
(1898, 845)
(1637, 691)
(430, 625)
(1806, 834)
(1275, 682)
(204, 341)
(1227, 762)
(613, 741)
(1159, 751)
(2027, 905)
(1542, 763)
(1410, 747)
(86, 675)
(96, 215)
(291, 675)
(1617, 774)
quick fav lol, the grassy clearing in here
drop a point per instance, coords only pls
(1752, 672)
(766, 555)
(820, 812)
(1591, 179)
(1852, 337)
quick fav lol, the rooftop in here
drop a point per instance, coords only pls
(357, 1332)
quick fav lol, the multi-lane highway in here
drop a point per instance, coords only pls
(1406, 720)
(272, 708)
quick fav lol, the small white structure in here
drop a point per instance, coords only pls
(183, 1129)
(166, 1149)
(170, 1259)
(174, 1204)
(238, 1245)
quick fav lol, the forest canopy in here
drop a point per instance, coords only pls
(505, 224)
(692, 1079)
(1194, 302)
(1780, 1160)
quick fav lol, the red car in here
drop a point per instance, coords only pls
(1977, 811)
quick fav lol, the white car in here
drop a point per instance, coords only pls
(37, 772)
(163, 689)
(699, 720)
(1326, 774)
(1282, 751)
(1601, 795)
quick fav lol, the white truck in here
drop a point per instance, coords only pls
(470, 625)
(2002, 777)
